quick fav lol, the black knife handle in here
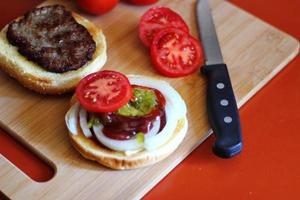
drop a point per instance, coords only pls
(222, 110)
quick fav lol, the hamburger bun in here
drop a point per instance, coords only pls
(35, 77)
(91, 149)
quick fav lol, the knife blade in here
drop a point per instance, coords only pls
(222, 109)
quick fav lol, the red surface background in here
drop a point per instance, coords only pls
(269, 166)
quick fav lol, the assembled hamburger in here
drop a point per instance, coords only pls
(125, 123)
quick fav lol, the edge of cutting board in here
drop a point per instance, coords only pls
(12, 190)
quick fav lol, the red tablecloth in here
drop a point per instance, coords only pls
(268, 168)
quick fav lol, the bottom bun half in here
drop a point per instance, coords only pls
(91, 150)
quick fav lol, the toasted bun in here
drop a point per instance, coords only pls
(90, 149)
(34, 77)
(120, 160)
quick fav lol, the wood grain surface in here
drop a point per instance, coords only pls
(253, 50)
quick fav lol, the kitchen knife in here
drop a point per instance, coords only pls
(222, 109)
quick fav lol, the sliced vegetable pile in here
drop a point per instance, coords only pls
(125, 114)
(174, 52)
(120, 115)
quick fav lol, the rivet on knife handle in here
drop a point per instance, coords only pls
(222, 111)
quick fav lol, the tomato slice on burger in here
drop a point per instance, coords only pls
(104, 91)
(175, 53)
(156, 19)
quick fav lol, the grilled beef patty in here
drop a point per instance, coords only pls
(52, 38)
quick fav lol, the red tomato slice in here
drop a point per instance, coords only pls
(175, 53)
(142, 2)
(97, 6)
(156, 19)
(104, 91)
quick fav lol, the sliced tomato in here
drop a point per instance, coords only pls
(97, 7)
(142, 2)
(156, 19)
(104, 91)
(175, 53)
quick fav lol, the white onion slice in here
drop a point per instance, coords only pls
(71, 118)
(117, 145)
(83, 123)
(151, 142)
(166, 133)
(154, 130)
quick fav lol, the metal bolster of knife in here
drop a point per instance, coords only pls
(222, 111)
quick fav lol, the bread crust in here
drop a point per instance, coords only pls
(36, 78)
(91, 150)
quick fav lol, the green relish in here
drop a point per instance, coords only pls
(142, 103)
(140, 137)
(93, 121)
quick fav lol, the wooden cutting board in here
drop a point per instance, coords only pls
(254, 51)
